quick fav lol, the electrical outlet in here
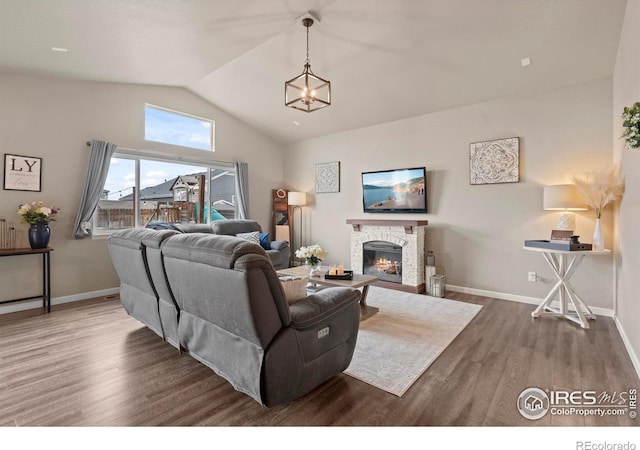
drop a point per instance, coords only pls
(533, 276)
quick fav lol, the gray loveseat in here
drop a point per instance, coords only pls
(278, 251)
(219, 298)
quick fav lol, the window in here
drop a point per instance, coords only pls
(140, 191)
(176, 128)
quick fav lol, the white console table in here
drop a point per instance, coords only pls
(564, 264)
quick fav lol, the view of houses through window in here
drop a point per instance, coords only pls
(140, 192)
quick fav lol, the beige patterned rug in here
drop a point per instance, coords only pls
(402, 340)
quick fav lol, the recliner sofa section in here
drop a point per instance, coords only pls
(135, 254)
(219, 298)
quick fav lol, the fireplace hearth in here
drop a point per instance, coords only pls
(383, 260)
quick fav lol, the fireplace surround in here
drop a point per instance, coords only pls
(409, 236)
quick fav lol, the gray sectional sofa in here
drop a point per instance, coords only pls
(220, 299)
(278, 251)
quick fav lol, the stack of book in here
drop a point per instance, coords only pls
(7, 235)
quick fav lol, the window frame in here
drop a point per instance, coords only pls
(183, 114)
(138, 155)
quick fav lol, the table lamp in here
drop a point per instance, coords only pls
(565, 198)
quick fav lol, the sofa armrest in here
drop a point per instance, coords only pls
(279, 245)
(318, 307)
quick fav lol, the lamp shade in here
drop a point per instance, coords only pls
(563, 197)
(297, 198)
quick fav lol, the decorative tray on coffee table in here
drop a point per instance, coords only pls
(348, 275)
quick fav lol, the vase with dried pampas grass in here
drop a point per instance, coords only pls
(598, 189)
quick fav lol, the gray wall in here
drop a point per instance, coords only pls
(626, 88)
(476, 232)
(52, 119)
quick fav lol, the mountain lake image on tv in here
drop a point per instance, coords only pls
(395, 191)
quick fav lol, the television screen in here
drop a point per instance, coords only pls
(395, 191)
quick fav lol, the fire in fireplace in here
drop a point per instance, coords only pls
(383, 260)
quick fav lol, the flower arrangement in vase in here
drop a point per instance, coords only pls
(37, 212)
(38, 215)
(631, 125)
(598, 189)
(312, 256)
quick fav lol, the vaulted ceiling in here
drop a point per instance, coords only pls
(387, 59)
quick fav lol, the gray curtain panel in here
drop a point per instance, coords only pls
(242, 189)
(99, 160)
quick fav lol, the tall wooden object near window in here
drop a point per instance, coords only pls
(201, 188)
(281, 230)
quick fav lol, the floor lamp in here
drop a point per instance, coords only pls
(296, 200)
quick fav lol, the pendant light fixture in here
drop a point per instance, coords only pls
(307, 92)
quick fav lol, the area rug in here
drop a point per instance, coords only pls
(405, 337)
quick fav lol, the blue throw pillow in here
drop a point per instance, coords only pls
(264, 241)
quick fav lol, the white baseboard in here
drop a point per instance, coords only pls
(627, 343)
(37, 303)
(605, 312)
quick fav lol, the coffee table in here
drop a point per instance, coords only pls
(359, 281)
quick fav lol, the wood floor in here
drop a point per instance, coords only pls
(89, 364)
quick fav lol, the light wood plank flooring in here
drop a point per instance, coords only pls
(89, 364)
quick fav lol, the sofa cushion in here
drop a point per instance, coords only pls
(194, 227)
(232, 227)
(264, 241)
(295, 288)
(253, 236)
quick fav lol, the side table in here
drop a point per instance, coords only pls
(564, 264)
(46, 273)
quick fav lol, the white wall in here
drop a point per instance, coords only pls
(626, 89)
(53, 119)
(476, 232)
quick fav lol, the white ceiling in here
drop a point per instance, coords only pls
(386, 59)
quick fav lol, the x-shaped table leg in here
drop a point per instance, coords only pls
(566, 292)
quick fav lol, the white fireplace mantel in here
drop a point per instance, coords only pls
(408, 225)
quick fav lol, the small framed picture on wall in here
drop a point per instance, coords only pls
(22, 173)
(328, 177)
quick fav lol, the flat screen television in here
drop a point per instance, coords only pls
(395, 191)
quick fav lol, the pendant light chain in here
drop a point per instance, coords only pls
(307, 61)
